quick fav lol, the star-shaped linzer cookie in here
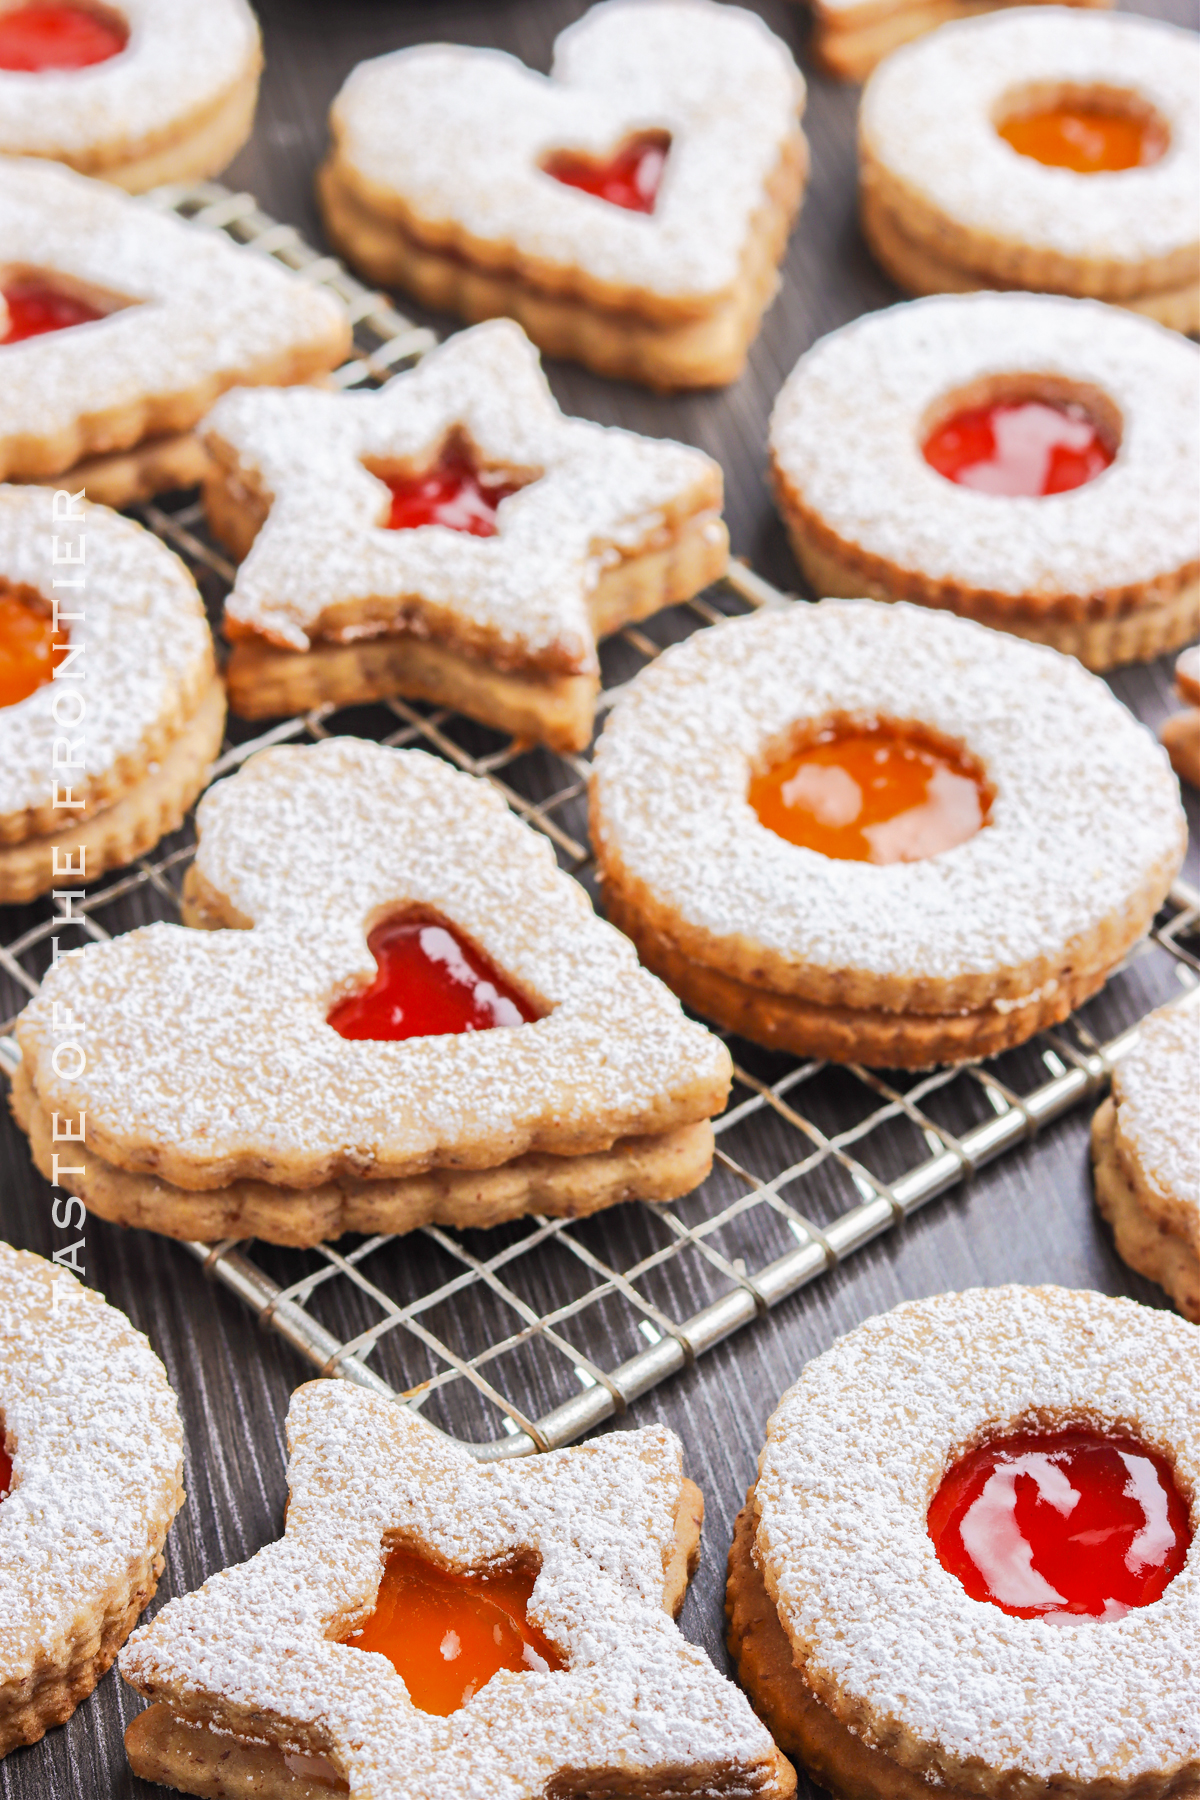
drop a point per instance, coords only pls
(430, 1626)
(452, 537)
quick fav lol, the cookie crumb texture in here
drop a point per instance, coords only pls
(638, 1710)
(93, 1430)
(953, 1694)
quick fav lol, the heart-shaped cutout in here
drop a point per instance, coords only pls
(431, 983)
(630, 177)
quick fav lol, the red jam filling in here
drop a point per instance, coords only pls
(1043, 1524)
(447, 1634)
(883, 795)
(34, 307)
(1025, 447)
(5, 1472)
(27, 645)
(629, 179)
(52, 36)
(1086, 139)
(430, 984)
(453, 493)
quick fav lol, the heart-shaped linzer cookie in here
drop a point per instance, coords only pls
(630, 209)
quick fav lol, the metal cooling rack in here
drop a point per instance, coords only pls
(522, 1338)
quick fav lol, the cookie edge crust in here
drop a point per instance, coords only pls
(926, 266)
(1103, 631)
(874, 1036)
(847, 43)
(699, 349)
(1146, 1241)
(155, 803)
(657, 1167)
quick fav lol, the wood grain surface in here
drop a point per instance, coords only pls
(1027, 1218)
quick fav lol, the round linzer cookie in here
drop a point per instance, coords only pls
(518, 1620)
(1042, 147)
(850, 36)
(148, 92)
(1180, 733)
(401, 1011)
(879, 834)
(120, 326)
(91, 1465)
(451, 538)
(1029, 461)
(631, 210)
(1146, 1154)
(969, 1566)
(111, 709)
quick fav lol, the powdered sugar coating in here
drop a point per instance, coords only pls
(1157, 1091)
(928, 115)
(146, 645)
(97, 1461)
(848, 426)
(209, 313)
(182, 57)
(316, 845)
(1086, 815)
(255, 1640)
(855, 1452)
(325, 545)
(456, 138)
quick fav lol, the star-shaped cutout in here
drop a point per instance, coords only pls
(604, 526)
(256, 1650)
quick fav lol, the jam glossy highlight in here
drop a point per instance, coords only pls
(454, 493)
(1020, 447)
(28, 643)
(49, 35)
(1070, 1523)
(35, 307)
(1091, 140)
(881, 794)
(430, 983)
(446, 1634)
(630, 178)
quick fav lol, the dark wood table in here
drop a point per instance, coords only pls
(1026, 1218)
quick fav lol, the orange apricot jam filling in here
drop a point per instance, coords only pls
(1089, 139)
(879, 794)
(446, 1634)
(1061, 1523)
(453, 493)
(430, 983)
(630, 178)
(1021, 447)
(35, 307)
(28, 642)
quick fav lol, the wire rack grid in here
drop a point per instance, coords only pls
(520, 1339)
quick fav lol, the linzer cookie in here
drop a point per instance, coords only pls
(1181, 732)
(1147, 1157)
(1044, 148)
(630, 211)
(451, 538)
(111, 710)
(90, 1472)
(1027, 460)
(415, 1017)
(430, 1625)
(119, 327)
(157, 91)
(968, 1564)
(879, 834)
(850, 36)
